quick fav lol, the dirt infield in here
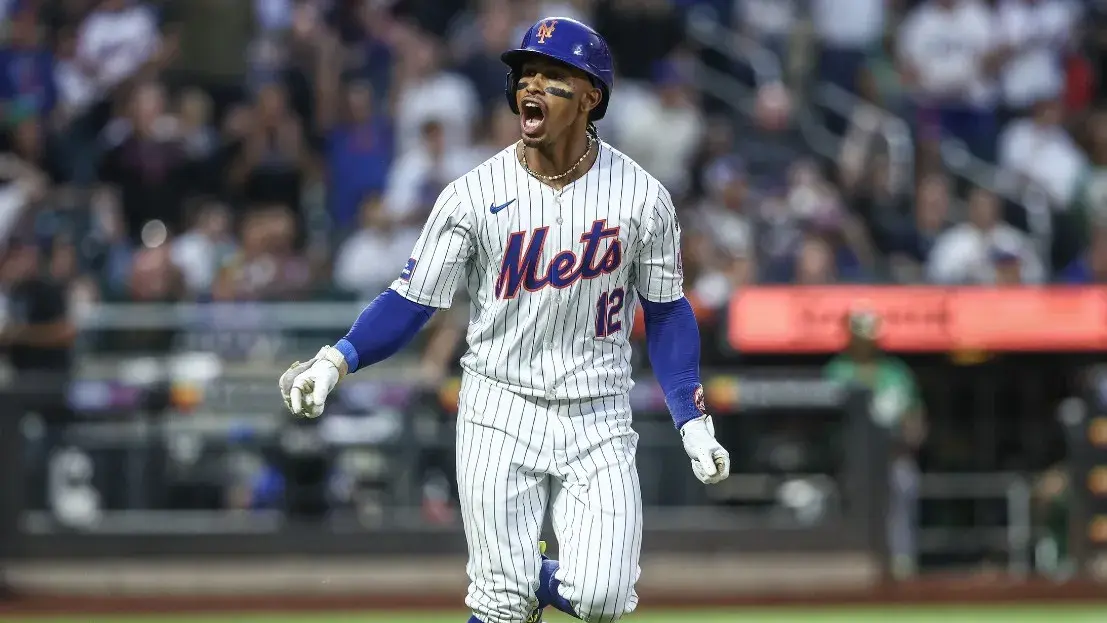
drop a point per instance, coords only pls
(936, 590)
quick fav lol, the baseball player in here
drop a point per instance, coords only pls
(557, 238)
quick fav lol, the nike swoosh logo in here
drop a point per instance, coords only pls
(496, 208)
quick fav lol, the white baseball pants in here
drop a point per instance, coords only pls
(515, 453)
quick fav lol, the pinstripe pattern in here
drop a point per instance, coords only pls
(579, 451)
(544, 343)
(545, 416)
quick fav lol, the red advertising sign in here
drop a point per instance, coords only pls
(921, 319)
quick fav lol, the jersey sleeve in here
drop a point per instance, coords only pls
(437, 263)
(660, 275)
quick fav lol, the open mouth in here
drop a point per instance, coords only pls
(532, 115)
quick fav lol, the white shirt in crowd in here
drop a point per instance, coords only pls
(947, 46)
(665, 154)
(117, 43)
(405, 190)
(75, 90)
(964, 255)
(445, 97)
(199, 258)
(848, 23)
(1045, 155)
(1039, 31)
(366, 263)
(774, 18)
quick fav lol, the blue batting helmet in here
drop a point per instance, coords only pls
(570, 42)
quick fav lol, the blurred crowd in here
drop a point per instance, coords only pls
(288, 150)
(240, 150)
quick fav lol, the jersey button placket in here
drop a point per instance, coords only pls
(559, 201)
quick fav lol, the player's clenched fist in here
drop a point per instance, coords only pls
(710, 460)
(305, 386)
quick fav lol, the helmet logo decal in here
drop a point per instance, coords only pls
(546, 31)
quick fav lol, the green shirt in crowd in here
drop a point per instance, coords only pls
(894, 392)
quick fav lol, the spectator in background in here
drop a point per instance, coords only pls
(213, 40)
(146, 162)
(769, 22)
(36, 336)
(866, 175)
(272, 158)
(814, 263)
(116, 41)
(272, 16)
(64, 269)
(480, 50)
(204, 247)
(1090, 200)
(359, 150)
(421, 173)
(881, 82)
(364, 30)
(267, 266)
(75, 127)
(814, 208)
(367, 262)
(425, 91)
(153, 278)
(724, 215)
(76, 91)
(108, 240)
(1091, 266)
(713, 274)
(911, 240)
(502, 130)
(1041, 153)
(967, 254)
(947, 57)
(718, 141)
(897, 406)
(199, 140)
(846, 30)
(639, 32)
(671, 105)
(1053, 498)
(27, 79)
(1033, 37)
(1007, 264)
(29, 141)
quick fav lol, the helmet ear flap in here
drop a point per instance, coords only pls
(509, 90)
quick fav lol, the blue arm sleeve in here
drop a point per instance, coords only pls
(673, 342)
(384, 327)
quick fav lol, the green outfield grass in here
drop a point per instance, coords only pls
(1012, 614)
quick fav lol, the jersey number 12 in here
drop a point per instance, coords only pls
(608, 308)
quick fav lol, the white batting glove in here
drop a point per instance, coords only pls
(305, 386)
(710, 460)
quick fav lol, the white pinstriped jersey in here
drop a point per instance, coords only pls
(553, 276)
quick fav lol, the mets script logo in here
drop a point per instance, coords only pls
(520, 268)
(545, 31)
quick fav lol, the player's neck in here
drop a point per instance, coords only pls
(556, 159)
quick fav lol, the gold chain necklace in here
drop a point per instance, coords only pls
(554, 178)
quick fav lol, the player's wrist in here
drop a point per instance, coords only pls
(333, 356)
(349, 355)
(686, 403)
